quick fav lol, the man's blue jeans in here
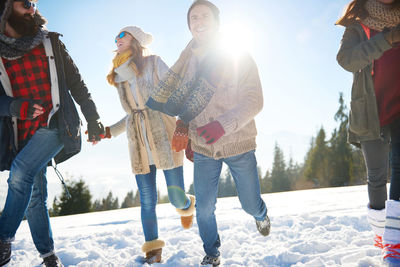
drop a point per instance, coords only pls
(148, 197)
(206, 177)
(27, 190)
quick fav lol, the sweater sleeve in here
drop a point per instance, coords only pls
(355, 54)
(249, 102)
(160, 67)
(119, 127)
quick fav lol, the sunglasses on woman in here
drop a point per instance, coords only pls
(27, 4)
(119, 36)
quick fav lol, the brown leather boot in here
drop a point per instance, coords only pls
(153, 256)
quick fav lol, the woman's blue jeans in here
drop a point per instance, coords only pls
(148, 197)
(27, 190)
(207, 172)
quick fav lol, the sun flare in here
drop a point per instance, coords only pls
(237, 38)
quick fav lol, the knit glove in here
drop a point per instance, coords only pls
(211, 132)
(95, 131)
(189, 152)
(393, 35)
(180, 138)
(24, 109)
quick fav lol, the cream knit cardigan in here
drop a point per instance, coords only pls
(159, 127)
(237, 100)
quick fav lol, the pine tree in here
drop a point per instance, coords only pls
(293, 171)
(80, 201)
(128, 200)
(266, 183)
(55, 210)
(279, 178)
(226, 185)
(136, 201)
(341, 152)
(316, 166)
(109, 203)
(191, 189)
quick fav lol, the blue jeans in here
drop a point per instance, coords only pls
(27, 190)
(148, 197)
(206, 177)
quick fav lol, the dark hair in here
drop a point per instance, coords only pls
(355, 10)
(214, 9)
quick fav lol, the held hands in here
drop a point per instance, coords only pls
(393, 35)
(180, 138)
(211, 132)
(189, 152)
(107, 133)
(95, 131)
(26, 109)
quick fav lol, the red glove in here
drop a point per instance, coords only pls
(189, 152)
(211, 132)
(181, 137)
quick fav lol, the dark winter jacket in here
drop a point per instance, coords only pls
(65, 81)
(356, 54)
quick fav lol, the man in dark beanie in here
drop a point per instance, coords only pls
(216, 97)
(38, 120)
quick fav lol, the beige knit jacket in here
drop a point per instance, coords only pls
(237, 100)
(159, 127)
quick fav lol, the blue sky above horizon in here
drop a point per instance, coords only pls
(294, 44)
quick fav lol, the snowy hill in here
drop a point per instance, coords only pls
(323, 227)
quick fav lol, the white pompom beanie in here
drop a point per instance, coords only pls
(143, 38)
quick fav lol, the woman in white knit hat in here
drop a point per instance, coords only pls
(370, 49)
(149, 134)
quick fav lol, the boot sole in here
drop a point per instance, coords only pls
(5, 262)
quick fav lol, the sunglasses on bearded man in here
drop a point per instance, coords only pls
(27, 4)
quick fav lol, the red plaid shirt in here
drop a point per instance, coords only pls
(29, 77)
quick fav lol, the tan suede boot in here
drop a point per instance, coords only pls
(153, 256)
(187, 215)
(153, 250)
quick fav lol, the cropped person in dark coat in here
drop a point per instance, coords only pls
(38, 120)
(370, 49)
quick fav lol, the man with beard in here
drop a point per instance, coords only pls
(38, 120)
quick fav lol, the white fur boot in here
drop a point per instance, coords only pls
(376, 219)
(391, 236)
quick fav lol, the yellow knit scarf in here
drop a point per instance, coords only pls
(118, 60)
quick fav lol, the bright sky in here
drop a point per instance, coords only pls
(294, 44)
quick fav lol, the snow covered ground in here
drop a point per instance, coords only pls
(323, 227)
